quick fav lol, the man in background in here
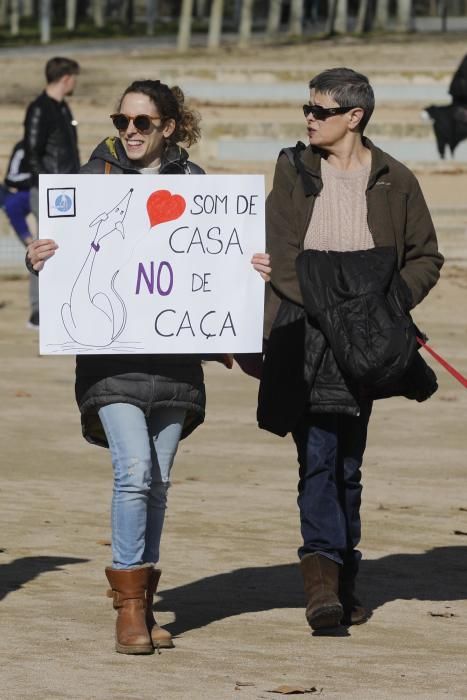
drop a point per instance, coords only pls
(50, 140)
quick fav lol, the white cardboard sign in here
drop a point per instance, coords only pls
(151, 264)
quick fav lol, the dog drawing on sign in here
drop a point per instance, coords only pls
(95, 314)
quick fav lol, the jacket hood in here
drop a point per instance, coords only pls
(111, 151)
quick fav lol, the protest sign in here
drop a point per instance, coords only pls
(151, 264)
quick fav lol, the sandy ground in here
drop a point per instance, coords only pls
(231, 591)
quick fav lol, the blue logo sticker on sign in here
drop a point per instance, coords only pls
(61, 202)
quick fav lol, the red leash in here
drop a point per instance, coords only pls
(457, 375)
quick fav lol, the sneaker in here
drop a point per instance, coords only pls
(34, 321)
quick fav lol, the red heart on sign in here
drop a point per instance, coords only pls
(164, 206)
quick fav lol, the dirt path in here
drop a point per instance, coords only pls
(231, 590)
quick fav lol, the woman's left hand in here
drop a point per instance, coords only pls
(262, 264)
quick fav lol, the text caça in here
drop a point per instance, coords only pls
(169, 323)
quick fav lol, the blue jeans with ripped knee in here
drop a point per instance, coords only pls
(143, 450)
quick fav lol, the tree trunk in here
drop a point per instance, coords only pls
(151, 16)
(184, 29)
(45, 20)
(71, 7)
(443, 12)
(3, 12)
(340, 22)
(98, 13)
(126, 13)
(405, 21)
(331, 19)
(14, 17)
(246, 21)
(381, 15)
(274, 18)
(296, 18)
(361, 23)
(215, 24)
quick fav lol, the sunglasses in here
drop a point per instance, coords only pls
(141, 122)
(322, 113)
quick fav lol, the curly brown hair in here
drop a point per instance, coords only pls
(170, 103)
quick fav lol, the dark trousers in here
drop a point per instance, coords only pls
(330, 451)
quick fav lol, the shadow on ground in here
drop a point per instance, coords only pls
(436, 575)
(17, 573)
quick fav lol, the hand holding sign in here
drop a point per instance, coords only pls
(163, 206)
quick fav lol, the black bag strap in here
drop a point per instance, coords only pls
(293, 155)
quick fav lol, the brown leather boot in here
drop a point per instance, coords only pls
(161, 638)
(354, 612)
(129, 588)
(321, 582)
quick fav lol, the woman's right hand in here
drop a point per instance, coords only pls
(39, 251)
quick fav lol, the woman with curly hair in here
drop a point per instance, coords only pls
(139, 406)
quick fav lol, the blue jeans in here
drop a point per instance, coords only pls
(330, 452)
(143, 449)
(17, 207)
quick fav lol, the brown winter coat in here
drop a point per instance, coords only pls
(397, 215)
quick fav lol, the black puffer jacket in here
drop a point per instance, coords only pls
(174, 161)
(301, 373)
(145, 381)
(361, 304)
(50, 138)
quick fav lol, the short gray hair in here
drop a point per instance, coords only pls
(348, 88)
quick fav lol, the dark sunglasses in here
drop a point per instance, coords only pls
(141, 122)
(322, 113)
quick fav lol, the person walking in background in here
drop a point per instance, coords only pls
(343, 218)
(139, 406)
(15, 194)
(15, 201)
(50, 139)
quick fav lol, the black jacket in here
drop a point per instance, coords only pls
(361, 304)
(300, 373)
(174, 160)
(17, 175)
(146, 381)
(354, 341)
(397, 216)
(50, 138)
